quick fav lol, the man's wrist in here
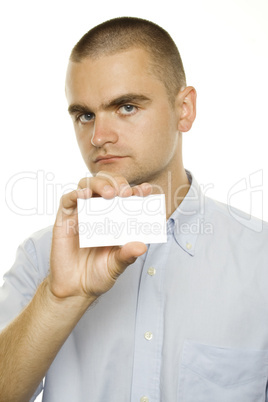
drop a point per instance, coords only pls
(76, 303)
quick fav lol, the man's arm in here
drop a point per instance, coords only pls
(77, 278)
(30, 343)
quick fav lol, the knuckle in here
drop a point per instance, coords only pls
(114, 179)
(105, 176)
(64, 198)
(85, 182)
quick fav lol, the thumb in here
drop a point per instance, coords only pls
(125, 256)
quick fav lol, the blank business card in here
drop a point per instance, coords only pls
(121, 220)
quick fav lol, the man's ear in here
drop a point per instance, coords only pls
(186, 106)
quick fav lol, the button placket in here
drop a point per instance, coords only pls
(148, 336)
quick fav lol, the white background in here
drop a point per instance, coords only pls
(224, 48)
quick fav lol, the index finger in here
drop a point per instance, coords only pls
(106, 185)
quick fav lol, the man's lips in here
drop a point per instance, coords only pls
(108, 158)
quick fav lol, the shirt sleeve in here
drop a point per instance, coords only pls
(28, 271)
(21, 281)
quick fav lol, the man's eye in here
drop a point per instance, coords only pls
(85, 118)
(127, 109)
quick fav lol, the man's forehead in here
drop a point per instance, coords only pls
(98, 81)
(128, 66)
(134, 55)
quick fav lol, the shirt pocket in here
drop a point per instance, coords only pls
(215, 374)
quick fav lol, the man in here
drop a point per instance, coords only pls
(179, 321)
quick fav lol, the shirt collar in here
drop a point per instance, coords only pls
(186, 221)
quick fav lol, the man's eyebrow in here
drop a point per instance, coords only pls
(77, 108)
(126, 98)
(120, 100)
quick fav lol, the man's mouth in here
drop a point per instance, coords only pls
(108, 158)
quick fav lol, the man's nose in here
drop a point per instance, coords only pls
(104, 131)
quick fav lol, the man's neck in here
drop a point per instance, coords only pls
(175, 186)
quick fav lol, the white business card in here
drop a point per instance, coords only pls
(121, 220)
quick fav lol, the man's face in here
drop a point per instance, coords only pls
(123, 118)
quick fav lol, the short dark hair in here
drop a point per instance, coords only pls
(120, 34)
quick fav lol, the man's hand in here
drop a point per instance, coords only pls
(89, 272)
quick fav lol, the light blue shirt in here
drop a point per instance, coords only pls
(187, 322)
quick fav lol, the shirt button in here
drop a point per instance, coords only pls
(188, 246)
(144, 399)
(148, 335)
(151, 271)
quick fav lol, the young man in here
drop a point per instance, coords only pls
(178, 321)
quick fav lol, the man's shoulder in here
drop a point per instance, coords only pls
(40, 237)
(233, 218)
(38, 244)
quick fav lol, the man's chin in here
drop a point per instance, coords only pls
(112, 170)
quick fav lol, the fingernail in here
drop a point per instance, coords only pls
(146, 187)
(124, 189)
(108, 188)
